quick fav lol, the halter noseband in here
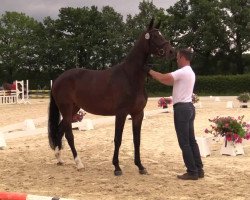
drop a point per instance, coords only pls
(159, 48)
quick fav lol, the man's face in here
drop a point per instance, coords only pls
(178, 58)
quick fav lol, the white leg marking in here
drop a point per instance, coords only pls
(79, 164)
(58, 154)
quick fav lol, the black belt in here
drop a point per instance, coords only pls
(181, 103)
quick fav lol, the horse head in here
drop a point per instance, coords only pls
(157, 44)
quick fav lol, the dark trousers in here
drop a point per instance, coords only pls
(184, 115)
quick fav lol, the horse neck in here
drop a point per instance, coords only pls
(138, 56)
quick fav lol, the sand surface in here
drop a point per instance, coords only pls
(28, 164)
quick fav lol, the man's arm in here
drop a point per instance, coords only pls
(166, 79)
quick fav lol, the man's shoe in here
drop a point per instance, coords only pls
(201, 174)
(188, 176)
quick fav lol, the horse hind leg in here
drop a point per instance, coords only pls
(70, 138)
(58, 148)
(67, 126)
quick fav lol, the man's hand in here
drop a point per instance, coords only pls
(147, 69)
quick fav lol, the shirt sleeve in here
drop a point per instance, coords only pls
(177, 74)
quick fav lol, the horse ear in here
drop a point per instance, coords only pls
(158, 25)
(150, 26)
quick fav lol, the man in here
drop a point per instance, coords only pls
(183, 81)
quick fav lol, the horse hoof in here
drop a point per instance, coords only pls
(80, 167)
(118, 173)
(60, 163)
(143, 172)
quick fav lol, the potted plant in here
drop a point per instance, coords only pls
(164, 102)
(78, 116)
(244, 98)
(233, 130)
(195, 98)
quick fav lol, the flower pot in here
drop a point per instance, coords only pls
(198, 105)
(231, 149)
(243, 105)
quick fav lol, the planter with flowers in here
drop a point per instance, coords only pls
(78, 116)
(164, 102)
(234, 130)
(195, 100)
(243, 99)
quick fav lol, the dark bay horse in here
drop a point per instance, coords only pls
(116, 91)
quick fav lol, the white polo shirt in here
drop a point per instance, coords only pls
(184, 79)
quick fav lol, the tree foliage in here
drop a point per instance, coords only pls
(18, 44)
(217, 30)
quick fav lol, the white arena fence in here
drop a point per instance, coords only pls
(17, 96)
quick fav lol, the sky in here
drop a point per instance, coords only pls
(39, 9)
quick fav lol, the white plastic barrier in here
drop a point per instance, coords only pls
(230, 104)
(217, 99)
(198, 105)
(85, 124)
(204, 146)
(2, 141)
(29, 124)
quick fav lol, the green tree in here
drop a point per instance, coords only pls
(217, 30)
(136, 24)
(53, 56)
(18, 44)
(197, 24)
(110, 46)
(91, 37)
(236, 18)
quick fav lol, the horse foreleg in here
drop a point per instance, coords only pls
(119, 125)
(137, 121)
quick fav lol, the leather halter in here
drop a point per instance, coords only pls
(159, 48)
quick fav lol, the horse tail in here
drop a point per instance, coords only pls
(53, 123)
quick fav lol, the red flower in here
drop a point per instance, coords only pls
(164, 101)
(229, 138)
(234, 129)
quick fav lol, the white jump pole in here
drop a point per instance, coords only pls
(18, 92)
(22, 91)
(27, 90)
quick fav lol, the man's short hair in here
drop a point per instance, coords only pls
(186, 52)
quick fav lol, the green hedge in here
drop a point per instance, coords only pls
(207, 85)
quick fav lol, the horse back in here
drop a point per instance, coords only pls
(100, 92)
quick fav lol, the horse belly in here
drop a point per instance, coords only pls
(97, 106)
